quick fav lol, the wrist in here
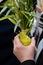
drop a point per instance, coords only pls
(27, 58)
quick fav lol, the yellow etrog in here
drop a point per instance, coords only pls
(25, 40)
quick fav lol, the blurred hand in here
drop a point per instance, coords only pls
(39, 9)
(23, 53)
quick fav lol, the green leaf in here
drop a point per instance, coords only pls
(20, 13)
(1, 1)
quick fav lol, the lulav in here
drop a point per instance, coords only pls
(21, 14)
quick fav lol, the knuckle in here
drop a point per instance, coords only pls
(33, 46)
(17, 48)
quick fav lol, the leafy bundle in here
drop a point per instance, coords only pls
(20, 13)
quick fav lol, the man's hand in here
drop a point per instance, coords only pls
(39, 9)
(24, 53)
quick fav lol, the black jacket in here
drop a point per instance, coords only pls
(6, 45)
(28, 62)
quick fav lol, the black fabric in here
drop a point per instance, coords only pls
(6, 45)
(41, 37)
(41, 26)
(40, 59)
(28, 62)
(41, 19)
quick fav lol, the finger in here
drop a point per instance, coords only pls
(33, 41)
(17, 41)
(35, 49)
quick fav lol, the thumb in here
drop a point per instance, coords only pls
(33, 41)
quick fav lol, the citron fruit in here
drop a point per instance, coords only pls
(25, 40)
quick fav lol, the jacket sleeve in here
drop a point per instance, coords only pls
(28, 62)
(41, 19)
